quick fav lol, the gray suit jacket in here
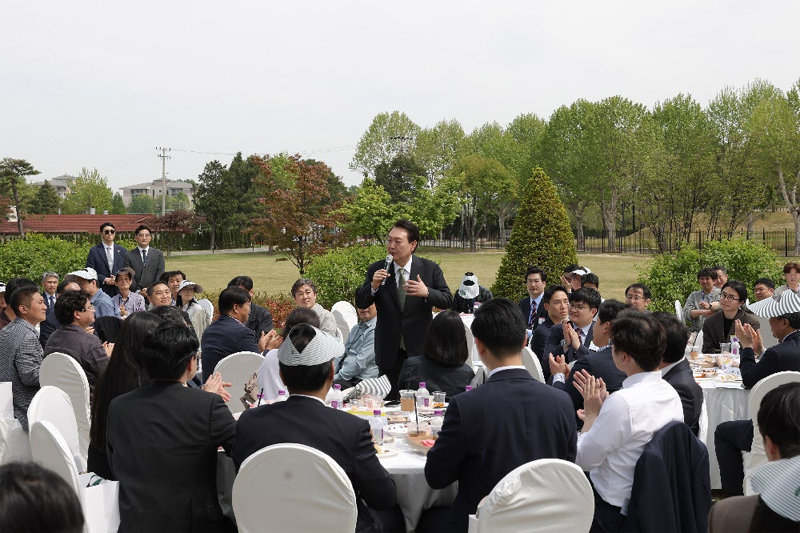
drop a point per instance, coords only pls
(146, 275)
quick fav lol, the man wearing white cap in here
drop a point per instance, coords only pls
(306, 367)
(87, 279)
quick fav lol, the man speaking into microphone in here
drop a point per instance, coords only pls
(404, 290)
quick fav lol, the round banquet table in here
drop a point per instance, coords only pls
(723, 402)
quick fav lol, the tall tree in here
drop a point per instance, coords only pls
(527, 130)
(399, 177)
(46, 200)
(437, 149)
(88, 190)
(299, 219)
(216, 197)
(117, 205)
(370, 212)
(12, 176)
(142, 204)
(388, 135)
(173, 225)
(242, 173)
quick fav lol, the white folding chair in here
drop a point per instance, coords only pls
(757, 456)
(348, 313)
(100, 503)
(62, 371)
(471, 350)
(767, 339)
(532, 364)
(284, 483)
(53, 404)
(237, 369)
(341, 324)
(14, 443)
(679, 310)
(542, 495)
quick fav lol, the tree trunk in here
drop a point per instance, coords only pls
(608, 212)
(213, 236)
(750, 222)
(790, 197)
(16, 207)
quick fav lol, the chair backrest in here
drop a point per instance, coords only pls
(283, 482)
(532, 364)
(348, 313)
(62, 371)
(679, 310)
(471, 350)
(542, 495)
(50, 450)
(14, 441)
(237, 369)
(53, 404)
(6, 399)
(767, 339)
(341, 324)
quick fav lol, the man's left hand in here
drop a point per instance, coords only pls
(417, 288)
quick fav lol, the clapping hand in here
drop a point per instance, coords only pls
(594, 393)
(215, 385)
(571, 336)
(749, 337)
(558, 365)
(274, 340)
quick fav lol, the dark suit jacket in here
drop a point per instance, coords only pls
(98, 261)
(713, 326)
(691, 394)
(162, 447)
(437, 376)
(411, 322)
(260, 319)
(340, 435)
(145, 275)
(600, 365)
(783, 356)
(525, 307)
(48, 326)
(491, 430)
(553, 345)
(540, 337)
(223, 337)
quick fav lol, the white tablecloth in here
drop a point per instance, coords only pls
(722, 405)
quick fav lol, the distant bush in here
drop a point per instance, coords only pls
(35, 254)
(279, 304)
(672, 277)
(340, 271)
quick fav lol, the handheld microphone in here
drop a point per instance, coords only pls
(389, 260)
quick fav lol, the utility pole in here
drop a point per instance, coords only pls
(164, 158)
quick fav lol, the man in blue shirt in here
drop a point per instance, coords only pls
(87, 279)
(358, 361)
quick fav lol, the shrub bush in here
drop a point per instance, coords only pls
(672, 277)
(35, 254)
(340, 271)
(541, 236)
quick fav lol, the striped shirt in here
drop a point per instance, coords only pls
(20, 361)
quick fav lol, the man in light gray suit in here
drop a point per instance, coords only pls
(146, 262)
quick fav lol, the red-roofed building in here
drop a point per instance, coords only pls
(71, 223)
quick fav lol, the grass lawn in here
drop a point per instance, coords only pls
(274, 273)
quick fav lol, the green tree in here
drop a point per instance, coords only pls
(46, 200)
(117, 205)
(388, 135)
(173, 226)
(340, 271)
(142, 203)
(432, 209)
(88, 190)
(541, 236)
(215, 197)
(35, 254)
(12, 177)
(437, 149)
(400, 178)
(527, 130)
(370, 212)
(242, 174)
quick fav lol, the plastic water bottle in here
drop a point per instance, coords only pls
(282, 397)
(735, 346)
(376, 424)
(423, 397)
(336, 397)
(436, 422)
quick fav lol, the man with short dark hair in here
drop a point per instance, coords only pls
(532, 306)
(556, 304)
(306, 367)
(76, 313)
(49, 286)
(173, 279)
(763, 288)
(163, 439)
(228, 334)
(506, 422)
(103, 306)
(146, 262)
(637, 296)
(159, 295)
(7, 315)
(676, 371)
(583, 304)
(20, 351)
(51, 323)
(106, 258)
(703, 303)
(617, 427)
(405, 296)
(260, 319)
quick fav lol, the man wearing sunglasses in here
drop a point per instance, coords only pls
(107, 258)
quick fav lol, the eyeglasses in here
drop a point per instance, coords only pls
(635, 298)
(579, 307)
(143, 235)
(90, 307)
(728, 297)
(109, 231)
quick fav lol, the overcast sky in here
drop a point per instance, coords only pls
(101, 84)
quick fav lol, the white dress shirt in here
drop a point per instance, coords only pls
(627, 420)
(501, 368)
(406, 267)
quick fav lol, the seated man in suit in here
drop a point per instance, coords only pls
(306, 366)
(260, 319)
(676, 371)
(617, 427)
(583, 304)
(776, 506)
(731, 438)
(532, 305)
(556, 305)
(600, 364)
(228, 334)
(106, 259)
(508, 421)
(162, 441)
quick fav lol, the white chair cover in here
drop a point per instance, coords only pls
(679, 310)
(53, 404)
(348, 313)
(292, 488)
(14, 443)
(237, 369)
(100, 503)
(62, 371)
(543, 495)
(698, 342)
(757, 456)
(532, 364)
(702, 423)
(767, 339)
(471, 350)
(341, 325)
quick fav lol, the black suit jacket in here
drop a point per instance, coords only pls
(783, 356)
(97, 260)
(223, 337)
(411, 322)
(600, 365)
(48, 326)
(489, 431)
(162, 442)
(145, 275)
(553, 345)
(343, 437)
(682, 380)
(260, 319)
(525, 307)
(540, 337)
(713, 326)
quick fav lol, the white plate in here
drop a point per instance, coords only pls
(387, 452)
(396, 430)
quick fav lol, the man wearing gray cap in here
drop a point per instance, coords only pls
(306, 367)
